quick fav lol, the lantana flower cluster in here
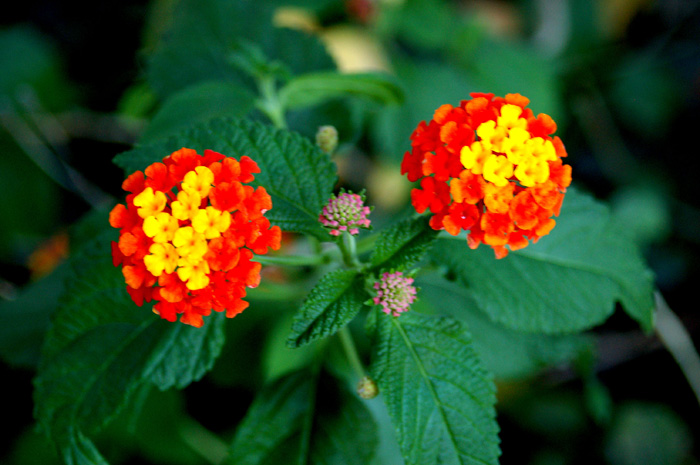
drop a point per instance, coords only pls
(491, 167)
(188, 232)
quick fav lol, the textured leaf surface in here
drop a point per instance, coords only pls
(569, 281)
(297, 175)
(439, 397)
(331, 304)
(313, 88)
(184, 354)
(101, 347)
(305, 418)
(403, 245)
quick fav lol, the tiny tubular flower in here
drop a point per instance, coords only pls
(394, 293)
(194, 272)
(162, 258)
(161, 227)
(498, 169)
(187, 205)
(345, 212)
(198, 181)
(149, 202)
(493, 154)
(190, 243)
(178, 244)
(211, 222)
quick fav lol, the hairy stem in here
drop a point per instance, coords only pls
(348, 248)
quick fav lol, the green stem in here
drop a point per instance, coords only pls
(293, 260)
(270, 103)
(205, 443)
(351, 351)
(678, 342)
(277, 292)
(348, 249)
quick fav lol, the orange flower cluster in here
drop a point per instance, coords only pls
(188, 232)
(490, 167)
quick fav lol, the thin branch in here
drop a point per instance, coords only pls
(678, 342)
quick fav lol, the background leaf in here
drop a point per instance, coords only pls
(647, 433)
(203, 34)
(569, 281)
(25, 320)
(439, 397)
(297, 175)
(305, 418)
(335, 300)
(313, 88)
(507, 353)
(198, 103)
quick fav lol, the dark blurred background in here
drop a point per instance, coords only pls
(621, 78)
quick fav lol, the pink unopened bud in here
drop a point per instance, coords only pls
(346, 212)
(395, 293)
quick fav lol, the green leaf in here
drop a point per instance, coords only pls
(305, 418)
(196, 104)
(335, 300)
(508, 354)
(439, 397)
(403, 245)
(297, 175)
(311, 89)
(102, 347)
(203, 34)
(185, 354)
(569, 281)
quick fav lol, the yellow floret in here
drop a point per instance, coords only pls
(161, 227)
(194, 273)
(189, 243)
(199, 181)
(491, 135)
(514, 146)
(211, 222)
(532, 171)
(542, 149)
(473, 157)
(162, 257)
(149, 202)
(497, 169)
(510, 117)
(186, 205)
